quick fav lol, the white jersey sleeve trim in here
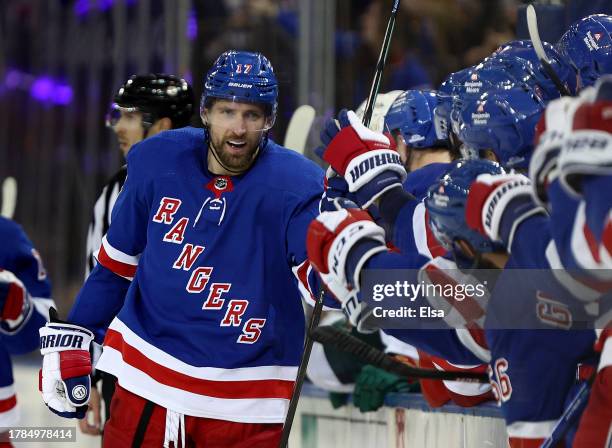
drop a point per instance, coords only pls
(419, 230)
(531, 430)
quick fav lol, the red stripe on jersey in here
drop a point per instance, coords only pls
(302, 274)
(469, 308)
(434, 391)
(8, 403)
(458, 398)
(432, 243)
(606, 238)
(118, 267)
(591, 242)
(211, 388)
(478, 335)
(516, 442)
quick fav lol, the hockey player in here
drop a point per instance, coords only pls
(142, 107)
(500, 125)
(411, 122)
(210, 227)
(25, 298)
(572, 167)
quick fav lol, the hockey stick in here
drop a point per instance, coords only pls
(570, 416)
(380, 65)
(534, 34)
(301, 375)
(299, 128)
(340, 340)
(316, 314)
(9, 197)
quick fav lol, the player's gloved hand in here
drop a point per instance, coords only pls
(587, 150)
(336, 194)
(497, 204)
(366, 159)
(339, 244)
(338, 399)
(64, 379)
(373, 384)
(551, 131)
(15, 303)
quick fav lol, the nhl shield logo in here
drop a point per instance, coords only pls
(220, 183)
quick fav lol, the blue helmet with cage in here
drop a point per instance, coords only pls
(588, 46)
(412, 114)
(242, 76)
(520, 60)
(445, 204)
(502, 121)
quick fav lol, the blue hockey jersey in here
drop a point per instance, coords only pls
(212, 324)
(533, 366)
(17, 254)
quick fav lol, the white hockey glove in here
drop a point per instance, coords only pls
(331, 236)
(588, 148)
(15, 303)
(64, 379)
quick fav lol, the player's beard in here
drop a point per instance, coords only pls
(234, 162)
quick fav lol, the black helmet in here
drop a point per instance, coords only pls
(157, 96)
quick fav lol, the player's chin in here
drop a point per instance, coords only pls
(237, 162)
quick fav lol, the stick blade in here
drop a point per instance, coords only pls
(9, 197)
(299, 128)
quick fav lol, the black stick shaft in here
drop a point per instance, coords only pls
(301, 375)
(348, 343)
(380, 65)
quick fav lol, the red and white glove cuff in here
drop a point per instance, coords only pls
(487, 200)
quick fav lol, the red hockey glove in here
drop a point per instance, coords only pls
(15, 303)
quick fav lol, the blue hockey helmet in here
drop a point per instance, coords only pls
(447, 93)
(502, 121)
(242, 76)
(412, 114)
(521, 60)
(445, 204)
(588, 45)
(452, 83)
(484, 77)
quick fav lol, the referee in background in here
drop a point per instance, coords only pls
(144, 106)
